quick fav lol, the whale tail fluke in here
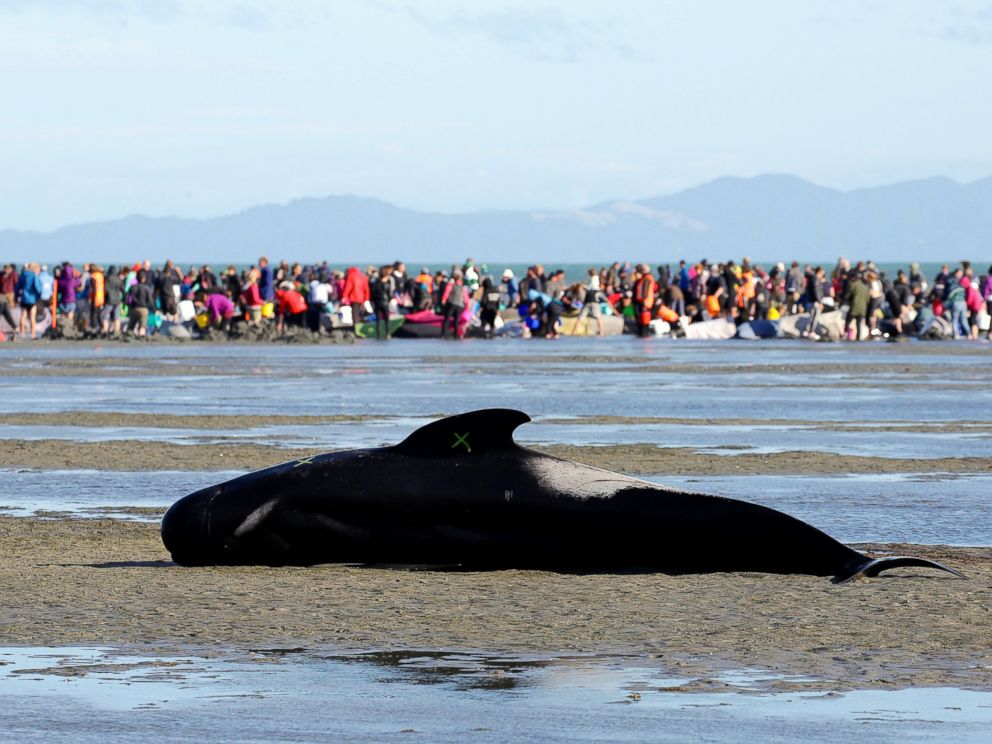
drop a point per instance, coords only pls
(874, 566)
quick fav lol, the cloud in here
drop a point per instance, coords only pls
(542, 32)
(238, 13)
(148, 8)
(246, 15)
(966, 26)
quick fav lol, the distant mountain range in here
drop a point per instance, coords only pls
(766, 217)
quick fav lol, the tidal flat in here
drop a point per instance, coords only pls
(883, 445)
(94, 582)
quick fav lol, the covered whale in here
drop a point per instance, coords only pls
(460, 493)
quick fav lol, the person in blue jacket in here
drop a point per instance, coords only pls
(266, 282)
(29, 294)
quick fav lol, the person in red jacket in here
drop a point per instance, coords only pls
(291, 306)
(356, 293)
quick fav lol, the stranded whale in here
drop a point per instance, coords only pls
(460, 492)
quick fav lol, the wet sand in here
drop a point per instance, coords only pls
(114, 419)
(108, 582)
(636, 459)
(247, 421)
(874, 371)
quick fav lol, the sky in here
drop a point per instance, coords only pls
(195, 109)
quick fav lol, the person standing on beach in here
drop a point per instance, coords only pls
(166, 287)
(956, 300)
(716, 292)
(266, 286)
(454, 300)
(898, 297)
(47, 290)
(231, 281)
(83, 300)
(251, 298)
(402, 285)
(381, 290)
(986, 291)
(732, 278)
(29, 292)
(974, 303)
(110, 313)
(529, 282)
(68, 283)
(555, 286)
(857, 299)
(876, 294)
(489, 301)
(6, 315)
(591, 302)
(355, 294)
(208, 279)
(793, 287)
(814, 298)
(644, 296)
(98, 296)
(319, 300)
(8, 283)
(916, 277)
(508, 295)
(141, 300)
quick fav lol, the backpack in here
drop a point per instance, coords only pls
(490, 300)
(973, 299)
(47, 286)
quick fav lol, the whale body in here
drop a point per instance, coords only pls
(460, 493)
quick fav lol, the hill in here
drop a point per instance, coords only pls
(771, 216)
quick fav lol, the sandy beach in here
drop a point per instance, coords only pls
(633, 459)
(107, 582)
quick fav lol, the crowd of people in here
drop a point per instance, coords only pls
(137, 299)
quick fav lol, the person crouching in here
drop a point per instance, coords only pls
(290, 305)
(218, 307)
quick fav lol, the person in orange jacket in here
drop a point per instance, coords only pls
(423, 290)
(97, 296)
(645, 290)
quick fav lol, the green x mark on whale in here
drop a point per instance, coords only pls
(462, 439)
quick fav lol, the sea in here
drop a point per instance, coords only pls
(579, 271)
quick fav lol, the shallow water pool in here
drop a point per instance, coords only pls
(87, 694)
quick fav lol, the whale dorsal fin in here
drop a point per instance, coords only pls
(465, 435)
